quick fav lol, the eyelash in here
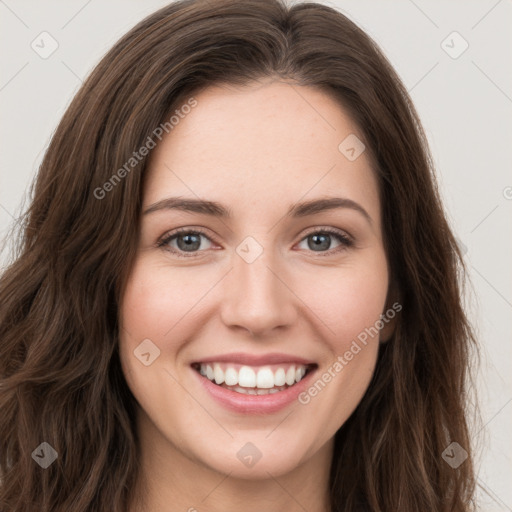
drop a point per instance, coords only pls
(344, 240)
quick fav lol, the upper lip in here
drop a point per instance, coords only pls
(254, 360)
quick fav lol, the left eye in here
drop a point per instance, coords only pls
(322, 240)
(189, 241)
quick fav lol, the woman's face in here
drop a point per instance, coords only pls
(275, 284)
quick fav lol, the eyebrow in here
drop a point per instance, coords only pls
(216, 209)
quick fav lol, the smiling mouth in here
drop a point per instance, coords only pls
(254, 380)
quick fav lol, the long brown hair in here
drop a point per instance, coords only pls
(61, 380)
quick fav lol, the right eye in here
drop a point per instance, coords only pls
(187, 241)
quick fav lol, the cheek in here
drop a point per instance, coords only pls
(157, 298)
(350, 305)
(146, 314)
(159, 304)
(347, 301)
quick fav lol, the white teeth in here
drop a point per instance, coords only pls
(230, 376)
(280, 377)
(264, 379)
(290, 376)
(247, 377)
(218, 374)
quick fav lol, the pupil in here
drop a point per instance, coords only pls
(191, 242)
(320, 241)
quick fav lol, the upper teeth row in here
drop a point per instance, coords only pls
(248, 377)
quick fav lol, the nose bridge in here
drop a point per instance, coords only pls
(256, 296)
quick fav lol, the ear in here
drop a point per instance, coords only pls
(390, 314)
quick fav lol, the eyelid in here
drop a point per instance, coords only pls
(329, 230)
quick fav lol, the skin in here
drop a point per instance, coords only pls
(257, 150)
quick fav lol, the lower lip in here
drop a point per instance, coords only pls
(254, 404)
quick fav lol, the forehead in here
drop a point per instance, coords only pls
(266, 145)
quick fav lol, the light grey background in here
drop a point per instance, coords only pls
(465, 104)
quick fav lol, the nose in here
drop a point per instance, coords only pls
(257, 297)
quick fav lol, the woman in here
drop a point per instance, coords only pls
(236, 287)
